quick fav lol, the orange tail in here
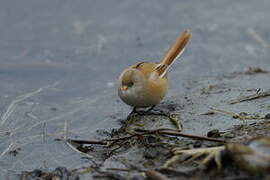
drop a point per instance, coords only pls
(176, 49)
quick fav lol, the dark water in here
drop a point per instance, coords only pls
(59, 61)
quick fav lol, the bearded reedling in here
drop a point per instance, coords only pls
(145, 84)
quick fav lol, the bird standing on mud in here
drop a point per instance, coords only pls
(145, 84)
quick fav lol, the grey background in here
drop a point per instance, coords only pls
(75, 50)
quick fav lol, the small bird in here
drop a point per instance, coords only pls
(145, 84)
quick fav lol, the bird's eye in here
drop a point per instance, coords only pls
(130, 84)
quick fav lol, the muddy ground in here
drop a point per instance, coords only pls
(59, 61)
(130, 153)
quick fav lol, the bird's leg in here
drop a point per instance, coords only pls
(150, 109)
(134, 111)
(128, 120)
(145, 112)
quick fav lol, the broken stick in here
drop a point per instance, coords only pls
(251, 97)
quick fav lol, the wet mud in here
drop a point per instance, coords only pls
(146, 145)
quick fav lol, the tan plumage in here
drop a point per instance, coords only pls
(145, 84)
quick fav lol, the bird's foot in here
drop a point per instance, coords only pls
(172, 117)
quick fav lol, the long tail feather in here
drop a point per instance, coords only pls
(176, 49)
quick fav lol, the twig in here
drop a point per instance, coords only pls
(140, 132)
(19, 99)
(195, 153)
(175, 121)
(87, 142)
(118, 169)
(14, 103)
(115, 149)
(258, 38)
(251, 97)
(173, 132)
(6, 150)
(114, 141)
(235, 115)
(69, 143)
(198, 150)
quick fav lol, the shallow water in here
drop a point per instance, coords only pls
(59, 62)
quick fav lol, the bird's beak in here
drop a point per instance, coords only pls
(124, 88)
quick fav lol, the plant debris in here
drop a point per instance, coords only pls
(251, 97)
(148, 146)
(242, 115)
(59, 173)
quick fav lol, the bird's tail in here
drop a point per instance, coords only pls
(176, 49)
